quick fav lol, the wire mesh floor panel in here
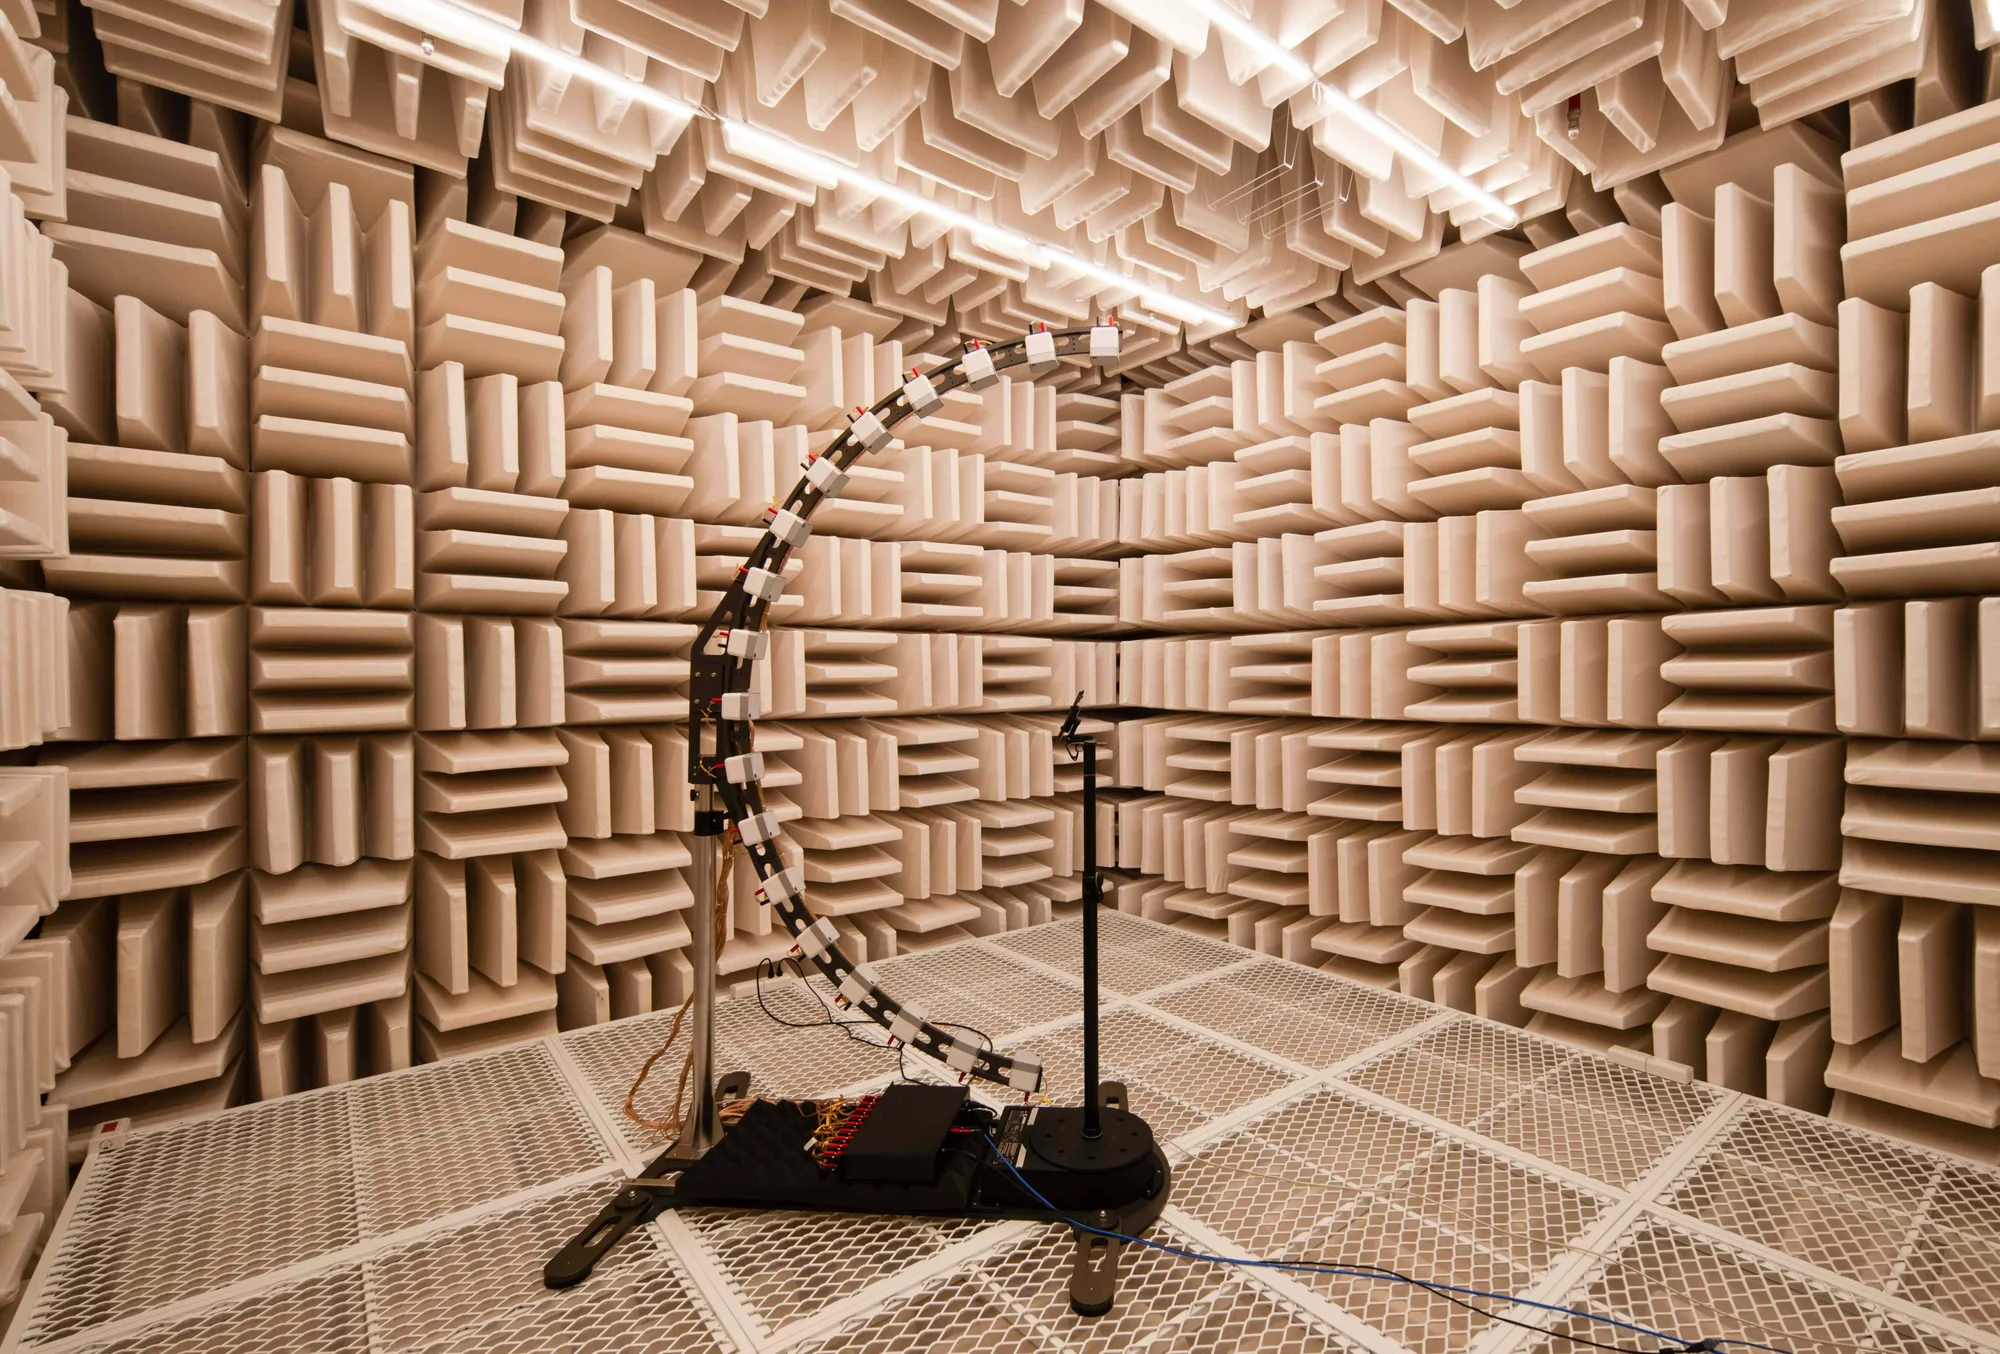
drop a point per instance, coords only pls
(1309, 1118)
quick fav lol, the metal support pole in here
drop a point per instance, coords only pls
(1092, 896)
(703, 1129)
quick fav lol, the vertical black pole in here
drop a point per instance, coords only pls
(1092, 894)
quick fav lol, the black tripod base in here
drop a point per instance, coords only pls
(1074, 1168)
(1021, 1164)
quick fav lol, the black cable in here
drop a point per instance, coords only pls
(1449, 1292)
(776, 969)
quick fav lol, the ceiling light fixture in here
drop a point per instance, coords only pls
(1353, 110)
(786, 156)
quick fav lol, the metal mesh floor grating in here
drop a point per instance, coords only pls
(1310, 1118)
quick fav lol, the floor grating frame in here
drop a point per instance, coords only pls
(1310, 1118)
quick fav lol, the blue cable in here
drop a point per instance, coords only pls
(1375, 1274)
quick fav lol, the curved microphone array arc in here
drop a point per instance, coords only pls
(733, 638)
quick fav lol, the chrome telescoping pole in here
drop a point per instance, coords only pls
(702, 1128)
(1092, 896)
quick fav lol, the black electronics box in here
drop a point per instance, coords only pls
(903, 1135)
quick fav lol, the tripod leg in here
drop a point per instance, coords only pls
(1093, 1276)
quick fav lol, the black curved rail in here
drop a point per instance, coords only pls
(734, 638)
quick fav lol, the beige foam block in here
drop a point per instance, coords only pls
(1874, 375)
(1928, 144)
(151, 667)
(1762, 393)
(116, 152)
(101, 1077)
(442, 923)
(1795, 1063)
(623, 942)
(1936, 245)
(1868, 685)
(385, 1034)
(1878, 115)
(1932, 941)
(237, 66)
(1635, 420)
(300, 346)
(488, 347)
(1624, 584)
(281, 257)
(1591, 344)
(1744, 291)
(1587, 434)
(626, 898)
(336, 1039)
(1580, 923)
(330, 671)
(1629, 915)
(83, 408)
(1734, 1051)
(136, 527)
(217, 917)
(1599, 796)
(153, 947)
(455, 821)
(1783, 689)
(1739, 514)
(330, 987)
(1808, 231)
(1802, 544)
(318, 891)
(192, 1101)
(1585, 1000)
(625, 407)
(1942, 379)
(1938, 655)
(1679, 1031)
(1614, 246)
(492, 918)
(430, 1044)
(278, 781)
(1497, 993)
(173, 279)
(1543, 427)
(444, 454)
(1916, 843)
(82, 936)
(150, 377)
(1538, 894)
(583, 995)
(1748, 942)
(1682, 768)
(1776, 341)
(1948, 1086)
(1684, 560)
(309, 396)
(323, 942)
(1879, 1116)
(1730, 987)
(34, 973)
(484, 1002)
(1986, 990)
(1456, 982)
(1750, 160)
(1688, 271)
(1939, 467)
(473, 753)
